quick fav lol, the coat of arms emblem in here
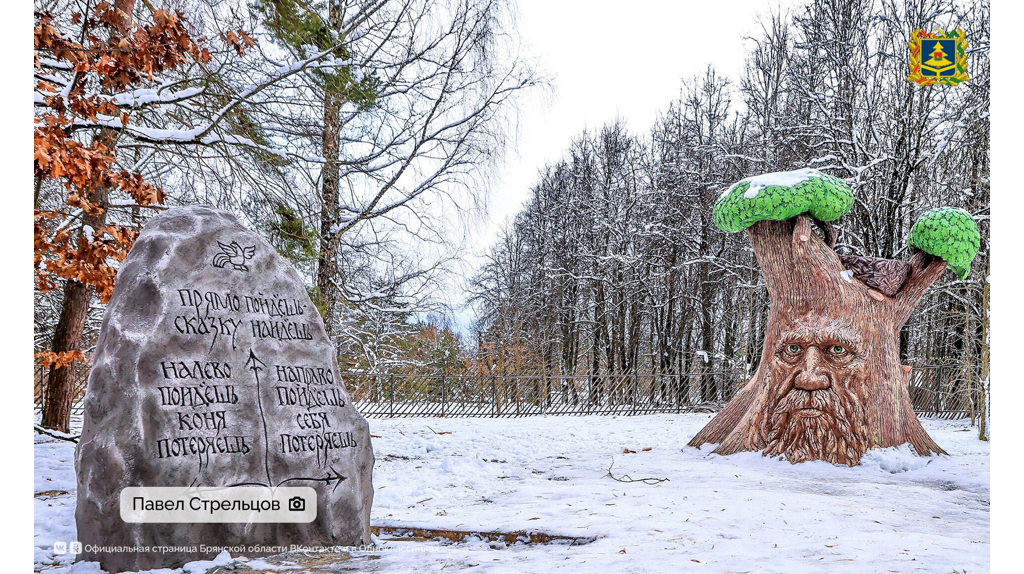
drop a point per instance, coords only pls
(938, 58)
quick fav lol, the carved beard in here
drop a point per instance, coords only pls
(838, 435)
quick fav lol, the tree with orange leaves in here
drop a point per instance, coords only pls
(75, 244)
(102, 81)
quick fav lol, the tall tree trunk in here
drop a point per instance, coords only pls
(327, 273)
(985, 334)
(67, 335)
(707, 383)
(829, 385)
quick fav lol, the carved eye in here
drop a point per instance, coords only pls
(793, 349)
(838, 350)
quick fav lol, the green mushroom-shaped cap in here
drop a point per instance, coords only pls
(781, 196)
(949, 233)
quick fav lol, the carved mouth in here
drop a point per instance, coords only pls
(809, 413)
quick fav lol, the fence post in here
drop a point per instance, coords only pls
(590, 392)
(444, 397)
(675, 393)
(938, 389)
(636, 393)
(38, 403)
(494, 396)
(391, 394)
(519, 384)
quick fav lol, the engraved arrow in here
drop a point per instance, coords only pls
(254, 363)
(337, 479)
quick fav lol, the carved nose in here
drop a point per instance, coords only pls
(809, 378)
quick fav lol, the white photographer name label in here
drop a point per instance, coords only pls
(245, 504)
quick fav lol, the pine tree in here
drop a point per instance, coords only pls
(938, 59)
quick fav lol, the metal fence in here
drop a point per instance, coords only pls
(78, 381)
(945, 391)
(386, 395)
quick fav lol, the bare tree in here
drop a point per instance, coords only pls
(613, 262)
(404, 132)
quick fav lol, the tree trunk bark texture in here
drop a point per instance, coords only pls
(67, 335)
(327, 274)
(829, 385)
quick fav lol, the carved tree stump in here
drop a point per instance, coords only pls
(830, 384)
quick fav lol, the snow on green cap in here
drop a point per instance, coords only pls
(949, 233)
(781, 196)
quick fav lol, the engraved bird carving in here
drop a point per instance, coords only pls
(234, 254)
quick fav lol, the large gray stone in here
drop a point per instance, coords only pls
(213, 369)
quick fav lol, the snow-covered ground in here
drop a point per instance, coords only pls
(742, 513)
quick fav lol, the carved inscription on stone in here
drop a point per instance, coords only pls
(213, 369)
(203, 394)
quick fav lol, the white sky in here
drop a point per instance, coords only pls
(607, 61)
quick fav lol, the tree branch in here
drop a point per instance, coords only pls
(924, 270)
(828, 230)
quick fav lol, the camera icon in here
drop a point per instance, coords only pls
(296, 504)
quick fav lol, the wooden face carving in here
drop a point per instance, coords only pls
(815, 397)
(829, 384)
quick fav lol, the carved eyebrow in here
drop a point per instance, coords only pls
(798, 338)
(800, 335)
(835, 335)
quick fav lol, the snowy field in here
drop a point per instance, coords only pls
(743, 513)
